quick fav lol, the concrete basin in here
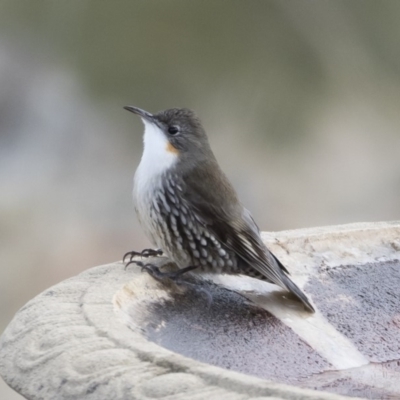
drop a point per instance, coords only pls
(110, 333)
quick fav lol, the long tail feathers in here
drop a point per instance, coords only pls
(293, 288)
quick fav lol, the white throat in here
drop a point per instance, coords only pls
(157, 156)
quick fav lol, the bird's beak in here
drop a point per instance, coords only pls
(143, 114)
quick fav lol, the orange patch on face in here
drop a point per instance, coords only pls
(172, 149)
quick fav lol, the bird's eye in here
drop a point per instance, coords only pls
(173, 130)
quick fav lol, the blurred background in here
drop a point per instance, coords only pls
(300, 100)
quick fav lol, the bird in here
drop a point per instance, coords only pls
(190, 211)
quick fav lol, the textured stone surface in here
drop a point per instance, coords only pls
(230, 332)
(72, 341)
(67, 344)
(371, 320)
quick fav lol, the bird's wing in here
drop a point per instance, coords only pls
(242, 236)
(234, 227)
(231, 223)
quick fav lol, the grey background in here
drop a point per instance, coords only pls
(300, 99)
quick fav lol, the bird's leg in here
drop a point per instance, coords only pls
(144, 253)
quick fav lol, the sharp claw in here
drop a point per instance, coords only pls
(144, 253)
(123, 258)
(142, 265)
(130, 262)
(131, 254)
(149, 268)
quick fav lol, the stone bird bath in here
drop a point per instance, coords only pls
(114, 334)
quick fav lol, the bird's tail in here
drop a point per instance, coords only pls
(293, 288)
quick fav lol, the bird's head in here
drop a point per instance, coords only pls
(175, 133)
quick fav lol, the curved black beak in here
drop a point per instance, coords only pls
(142, 113)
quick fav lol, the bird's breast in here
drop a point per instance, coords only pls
(174, 226)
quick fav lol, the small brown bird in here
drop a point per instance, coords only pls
(188, 208)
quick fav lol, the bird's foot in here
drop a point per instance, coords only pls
(144, 253)
(155, 272)
(176, 277)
